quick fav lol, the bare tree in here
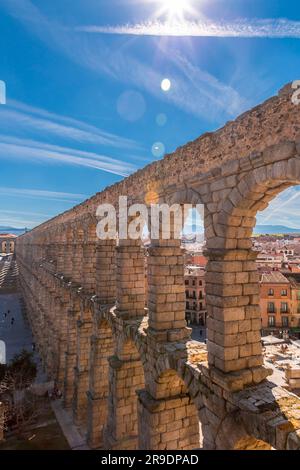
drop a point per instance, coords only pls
(21, 408)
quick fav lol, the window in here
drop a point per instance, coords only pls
(200, 295)
(284, 293)
(186, 282)
(271, 307)
(271, 292)
(187, 305)
(271, 321)
(194, 294)
(194, 282)
(200, 283)
(284, 307)
(285, 321)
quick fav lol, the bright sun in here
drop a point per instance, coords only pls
(175, 9)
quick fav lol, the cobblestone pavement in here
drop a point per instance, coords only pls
(17, 336)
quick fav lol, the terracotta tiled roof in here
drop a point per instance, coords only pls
(8, 235)
(274, 277)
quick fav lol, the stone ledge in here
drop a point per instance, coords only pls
(237, 381)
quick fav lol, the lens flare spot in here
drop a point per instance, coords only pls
(158, 149)
(166, 84)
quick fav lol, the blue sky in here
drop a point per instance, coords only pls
(84, 100)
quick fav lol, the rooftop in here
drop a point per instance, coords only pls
(274, 277)
(8, 235)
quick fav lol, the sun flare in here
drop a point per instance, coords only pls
(175, 10)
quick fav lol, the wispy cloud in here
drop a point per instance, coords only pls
(23, 218)
(37, 152)
(19, 222)
(284, 209)
(243, 28)
(43, 121)
(32, 214)
(40, 194)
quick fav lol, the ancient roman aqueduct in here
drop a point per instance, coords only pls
(129, 374)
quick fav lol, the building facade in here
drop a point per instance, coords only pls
(279, 303)
(194, 280)
(7, 243)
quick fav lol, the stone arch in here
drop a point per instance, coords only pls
(232, 283)
(233, 220)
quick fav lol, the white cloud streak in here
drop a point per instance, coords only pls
(242, 28)
(42, 121)
(283, 210)
(40, 194)
(35, 151)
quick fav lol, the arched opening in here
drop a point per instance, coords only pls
(276, 241)
(193, 243)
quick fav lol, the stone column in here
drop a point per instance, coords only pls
(101, 350)
(125, 377)
(70, 356)
(60, 254)
(77, 262)
(130, 280)
(62, 336)
(167, 423)
(81, 371)
(89, 267)
(232, 296)
(166, 292)
(106, 271)
(68, 259)
(1, 421)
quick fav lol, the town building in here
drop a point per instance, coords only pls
(275, 302)
(7, 243)
(194, 279)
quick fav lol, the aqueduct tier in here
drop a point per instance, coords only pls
(130, 374)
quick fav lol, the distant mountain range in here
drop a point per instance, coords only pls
(274, 229)
(258, 230)
(15, 231)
